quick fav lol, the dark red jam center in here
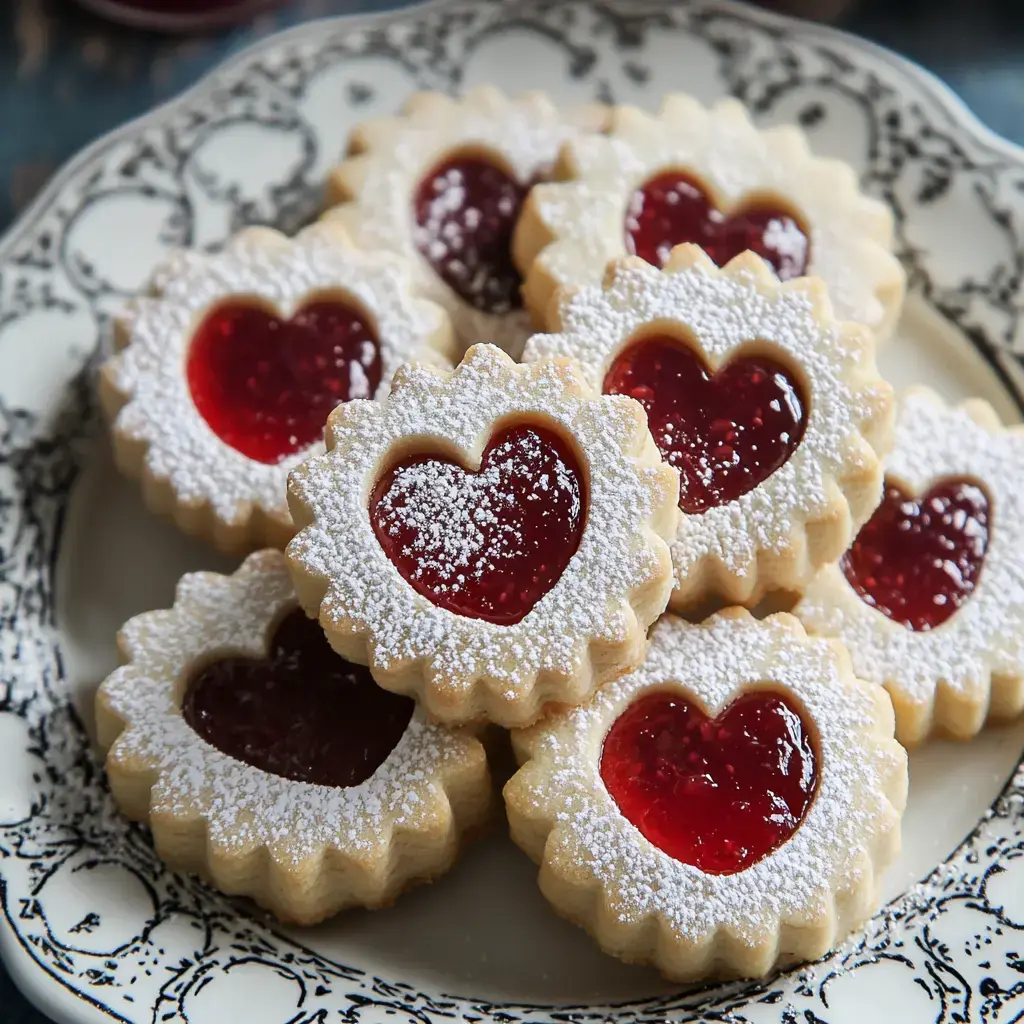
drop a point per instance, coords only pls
(303, 713)
(490, 544)
(672, 208)
(466, 212)
(725, 432)
(917, 560)
(265, 386)
(719, 793)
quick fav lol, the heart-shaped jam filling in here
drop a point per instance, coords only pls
(725, 432)
(490, 544)
(917, 560)
(303, 712)
(466, 212)
(717, 793)
(266, 386)
(673, 208)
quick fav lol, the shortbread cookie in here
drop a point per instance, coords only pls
(443, 185)
(225, 375)
(773, 413)
(930, 597)
(489, 539)
(725, 809)
(711, 178)
(272, 767)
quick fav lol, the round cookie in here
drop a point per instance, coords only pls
(490, 539)
(270, 766)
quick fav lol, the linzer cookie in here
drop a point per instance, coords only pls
(726, 809)
(226, 373)
(708, 177)
(272, 767)
(930, 596)
(443, 186)
(773, 413)
(491, 539)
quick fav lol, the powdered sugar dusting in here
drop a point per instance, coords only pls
(466, 213)
(786, 238)
(523, 135)
(242, 806)
(985, 637)
(619, 554)
(260, 266)
(850, 234)
(862, 773)
(726, 312)
(464, 523)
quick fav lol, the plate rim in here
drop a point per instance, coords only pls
(66, 1005)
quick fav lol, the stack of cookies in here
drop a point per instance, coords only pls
(533, 429)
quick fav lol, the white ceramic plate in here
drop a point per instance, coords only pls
(94, 928)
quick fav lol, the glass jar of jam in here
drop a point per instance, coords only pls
(178, 15)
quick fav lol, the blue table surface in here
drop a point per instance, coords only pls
(67, 77)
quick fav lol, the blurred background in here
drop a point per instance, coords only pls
(68, 74)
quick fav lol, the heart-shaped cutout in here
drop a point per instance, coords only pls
(725, 432)
(718, 793)
(917, 560)
(266, 386)
(487, 545)
(673, 208)
(303, 712)
(466, 212)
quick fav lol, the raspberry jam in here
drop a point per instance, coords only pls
(303, 713)
(266, 386)
(672, 208)
(490, 544)
(719, 793)
(466, 212)
(725, 432)
(917, 560)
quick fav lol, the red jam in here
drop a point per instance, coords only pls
(487, 545)
(303, 713)
(266, 386)
(672, 208)
(719, 793)
(725, 432)
(466, 212)
(917, 560)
